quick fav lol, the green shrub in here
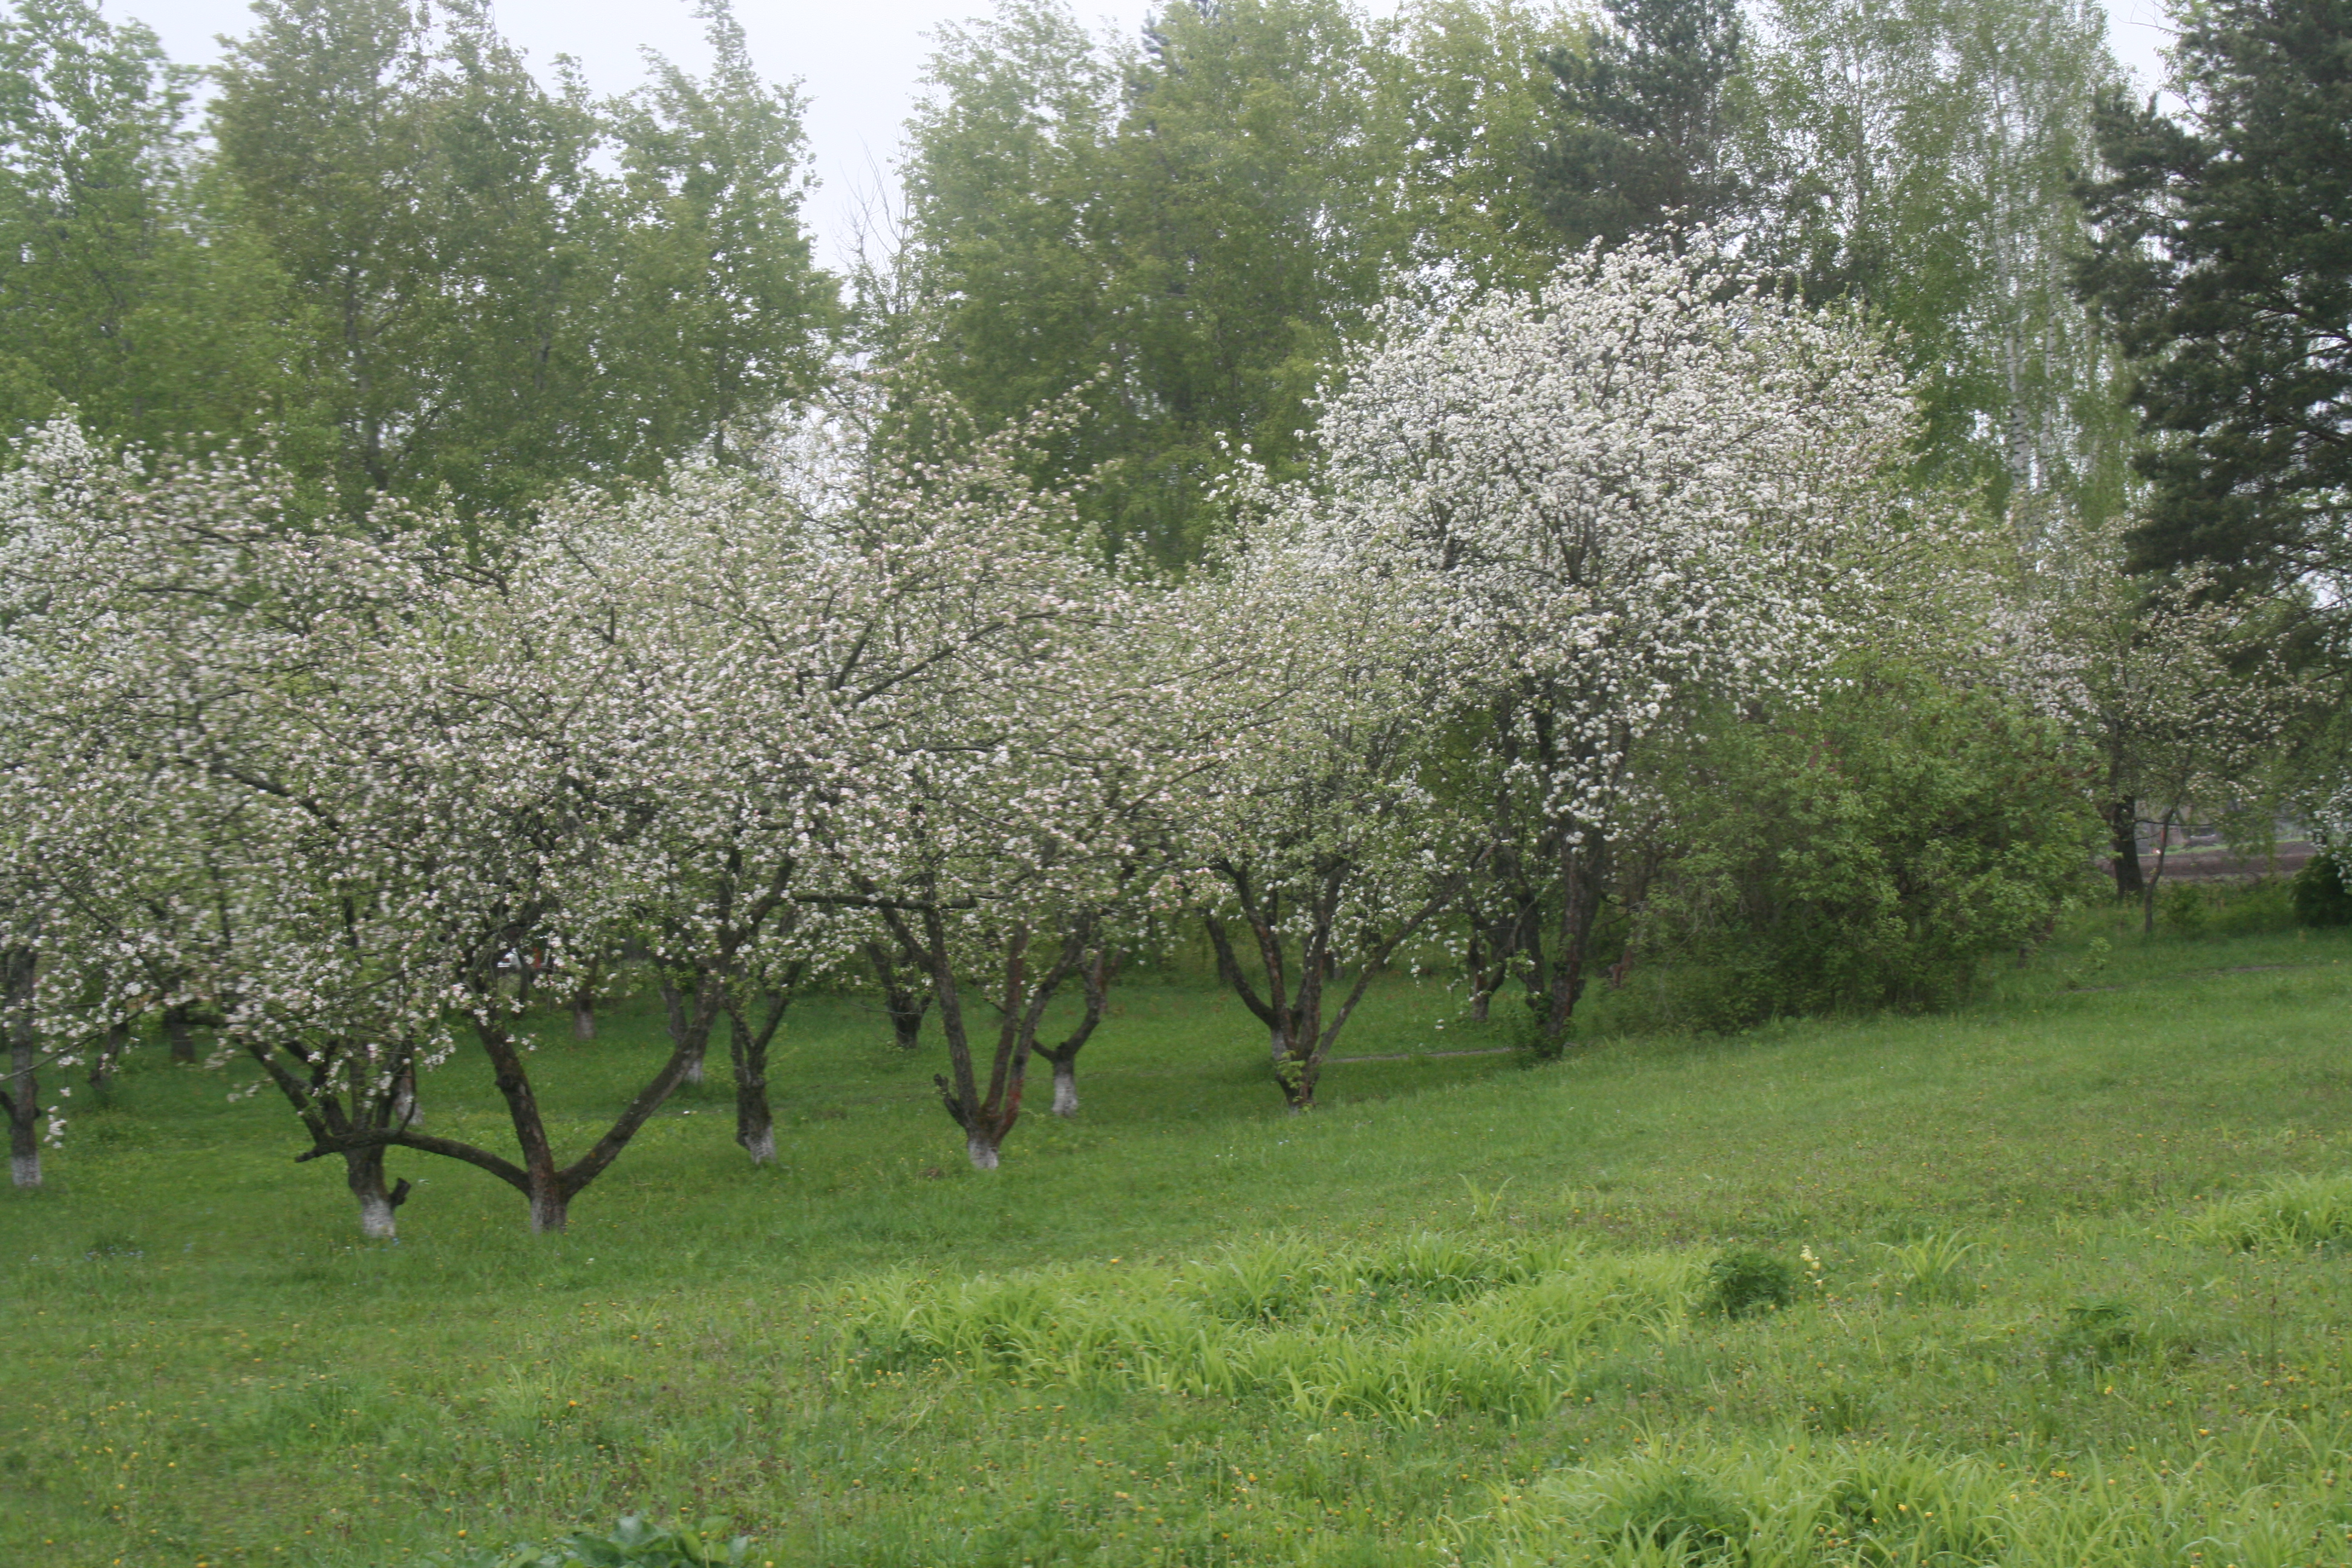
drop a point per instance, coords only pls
(1869, 853)
(1745, 1281)
(2183, 910)
(2320, 897)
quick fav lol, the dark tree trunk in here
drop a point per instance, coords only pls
(1582, 886)
(405, 1109)
(584, 1001)
(1298, 1031)
(347, 1100)
(363, 1172)
(2123, 827)
(755, 1120)
(987, 1116)
(682, 1032)
(2148, 893)
(905, 999)
(1095, 976)
(22, 1101)
(179, 1032)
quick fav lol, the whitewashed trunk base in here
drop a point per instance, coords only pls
(984, 1152)
(24, 1170)
(1066, 1093)
(762, 1146)
(375, 1218)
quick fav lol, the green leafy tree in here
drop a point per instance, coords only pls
(1917, 159)
(721, 316)
(1645, 120)
(2220, 258)
(1193, 226)
(128, 289)
(488, 313)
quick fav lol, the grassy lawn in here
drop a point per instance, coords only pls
(1460, 1314)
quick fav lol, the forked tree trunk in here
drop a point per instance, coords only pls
(1297, 1028)
(987, 1116)
(747, 1046)
(364, 1174)
(22, 1101)
(347, 1099)
(1095, 976)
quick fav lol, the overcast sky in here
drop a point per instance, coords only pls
(857, 60)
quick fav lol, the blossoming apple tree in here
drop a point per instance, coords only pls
(1638, 493)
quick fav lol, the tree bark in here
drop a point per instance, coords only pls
(179, 1032)
(22, 1102)
(755, 1119)
(2123, 826)
(108, 1055)
(2147, 894)
(1095, 977)
(681, 1032)
(583, 1002)
(904, 1002)
(1582, 886)
(1300, 1037)
(364, 1174)
(344, 1098)
(987, 1117)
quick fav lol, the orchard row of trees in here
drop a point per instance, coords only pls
(320, 788)
(1555, 493)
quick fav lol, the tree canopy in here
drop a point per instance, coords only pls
(2220, 259)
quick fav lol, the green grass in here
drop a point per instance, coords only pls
(2070, 1273)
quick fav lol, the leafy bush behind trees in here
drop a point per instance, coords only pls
(1871, 851)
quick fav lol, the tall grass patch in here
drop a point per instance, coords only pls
(1419, 1328)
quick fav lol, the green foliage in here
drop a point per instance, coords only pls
(1918, 160)
(1745, 1281)
(1672, 1507)
(1931, 1269)
(1190, 231)
(1645, 121)
(633, 1543)
(2219, 262)
(129, 290)
(1872, 852)
(494, 316)
(1425, 1326)
(402, 262)
(2320, 897)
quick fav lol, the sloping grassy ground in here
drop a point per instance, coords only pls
(1459, 1315)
